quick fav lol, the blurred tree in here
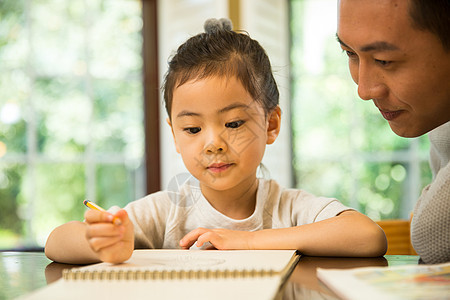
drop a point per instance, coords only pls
(71, 119)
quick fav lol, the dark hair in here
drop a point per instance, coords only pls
(222, 52)
(434, 16)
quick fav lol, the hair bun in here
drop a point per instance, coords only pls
(214, 25)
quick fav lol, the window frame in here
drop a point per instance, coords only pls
(151, 95)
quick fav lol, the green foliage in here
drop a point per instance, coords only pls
(114, 187)
(343, 148)
(60, 190)
(14, 137)
(11, 17)
(10, 179)
(71, 121)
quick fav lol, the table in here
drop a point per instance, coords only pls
(24, 272)
(303, 282)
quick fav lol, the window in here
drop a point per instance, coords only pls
(342, 147)
(264, 20)
(71, 112)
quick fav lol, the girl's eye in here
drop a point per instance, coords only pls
(192, 130)
(235, 124)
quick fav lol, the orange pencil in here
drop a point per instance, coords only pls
(92, 205)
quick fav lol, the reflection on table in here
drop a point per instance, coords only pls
(24, 272)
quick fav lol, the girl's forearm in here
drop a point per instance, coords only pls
(348, 234)
(68, 244)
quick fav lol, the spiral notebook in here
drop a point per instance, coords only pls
(179, 274)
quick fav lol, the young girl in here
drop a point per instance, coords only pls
(222, 102)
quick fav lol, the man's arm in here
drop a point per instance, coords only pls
(430, 225)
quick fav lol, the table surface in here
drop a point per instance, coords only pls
(24, 272)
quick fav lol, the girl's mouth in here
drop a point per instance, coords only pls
(219, 167)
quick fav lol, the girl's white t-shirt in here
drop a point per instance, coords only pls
(163, 218)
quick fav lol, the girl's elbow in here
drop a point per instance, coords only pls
(377, 242)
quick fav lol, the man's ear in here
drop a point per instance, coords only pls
(173, 134)
(274, 123)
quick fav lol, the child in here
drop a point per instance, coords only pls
(222, 102)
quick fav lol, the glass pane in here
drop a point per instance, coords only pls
(117, 112)
(71, 112)
(426, 175)
(381, 186)
(331, 179)
(62, 111)
(342, 146)
(60, 191)
(114, 185)
(11, 179)
(13, 46)
(58, 43)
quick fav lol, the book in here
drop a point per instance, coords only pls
(179, 274)
(396, 282)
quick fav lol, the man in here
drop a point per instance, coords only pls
(399, 55)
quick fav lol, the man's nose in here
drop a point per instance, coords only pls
(371, 83)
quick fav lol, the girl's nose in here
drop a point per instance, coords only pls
(216, 143)
(211, 148)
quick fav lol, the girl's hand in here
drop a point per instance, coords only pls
(222, 239)
(112, 242)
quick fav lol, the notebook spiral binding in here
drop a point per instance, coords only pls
(70, 274)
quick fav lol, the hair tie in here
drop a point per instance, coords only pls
(214, 25)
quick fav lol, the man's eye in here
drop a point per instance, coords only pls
(192, 130)
(350, 53)
(383, 63)
(235, 124)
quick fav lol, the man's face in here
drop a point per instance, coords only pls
(405, 71)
